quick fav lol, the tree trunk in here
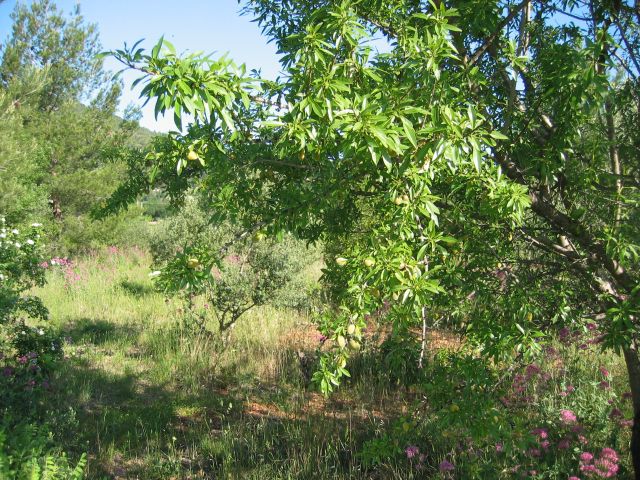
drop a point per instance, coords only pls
(633, 368)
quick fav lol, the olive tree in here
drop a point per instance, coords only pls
(482, 166)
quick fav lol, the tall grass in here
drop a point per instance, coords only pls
(150, 399)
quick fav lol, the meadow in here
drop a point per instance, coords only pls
(147, 398)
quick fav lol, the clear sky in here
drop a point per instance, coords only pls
(191, 25)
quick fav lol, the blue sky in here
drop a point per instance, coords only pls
(193, 25)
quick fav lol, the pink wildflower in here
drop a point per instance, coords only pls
(626, 423)
(586, 457)
(411, 451)
(591, 326)
(615, 413)
(499, 447)
(535, 452)
(609, 454)
(564, 444)
(446, 466)
(604, 371)
(605, 385)
(567, 416)
(540, 432)
(573, 477)
(532, 370)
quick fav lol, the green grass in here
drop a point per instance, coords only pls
(147, 398)
(152, 400)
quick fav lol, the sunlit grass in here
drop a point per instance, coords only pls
(153, 400)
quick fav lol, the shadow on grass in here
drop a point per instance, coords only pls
(135, 289)
(98, 331)
(132, 428)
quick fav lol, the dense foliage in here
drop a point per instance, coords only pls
(480, 171)
(59, 131)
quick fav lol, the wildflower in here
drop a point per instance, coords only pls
(615, 413)
(540, 432)
(36, 225)
(626, 396)
(563, 333)
(609, 454)
(535, 452)
(582, 439)
(532, 370)
(446, 466)
(591, 326)
(604, 371)
(626, 423)
(583, 346)
(586, 457)
(155, 274)
(573, 477)
(564, 444)
(411, 451)
(567, 416)
(499, 447)
(545, 444)
(22, 360)
(15, 231)
(605, 385)
(7, 371)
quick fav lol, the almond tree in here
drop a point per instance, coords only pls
(482, 165)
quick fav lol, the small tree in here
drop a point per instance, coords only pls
(218, 275)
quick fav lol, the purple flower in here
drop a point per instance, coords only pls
(23, 359)
(7, 371)
(591, 326)
(446, 466)
(411, 451)
(604, 385)
(567, 416)
(626, 423)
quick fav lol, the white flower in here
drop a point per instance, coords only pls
(36, 224)
(30, 242)
(53, 262)
(3, 235)
(18, 245)
(155, 274)
(40, 332)
(15, 231)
